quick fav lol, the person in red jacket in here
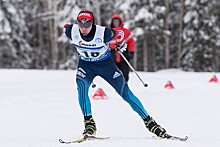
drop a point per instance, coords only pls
(117, 22)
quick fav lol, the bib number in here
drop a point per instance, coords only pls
(90, 54)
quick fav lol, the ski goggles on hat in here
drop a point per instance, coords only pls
(85, 24)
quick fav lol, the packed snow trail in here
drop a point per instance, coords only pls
(37, 107)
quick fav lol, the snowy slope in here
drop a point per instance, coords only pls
(39, 107)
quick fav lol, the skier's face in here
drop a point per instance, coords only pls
(85, 26)
(116, 23)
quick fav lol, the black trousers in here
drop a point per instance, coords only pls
(123, 66)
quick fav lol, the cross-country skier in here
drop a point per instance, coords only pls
(91, 42)
(117, 22)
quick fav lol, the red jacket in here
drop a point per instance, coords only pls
(127, 38)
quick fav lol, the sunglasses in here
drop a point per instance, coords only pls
(85, 24)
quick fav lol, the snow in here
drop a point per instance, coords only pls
(1, 15)
(69, 13)
(138, 31)
(189, 16)
(11, 9)
(5, 28)
(125, 6)
(143, 14)
(204, 35)
(39, 107)
(190, 2)
(160, 9)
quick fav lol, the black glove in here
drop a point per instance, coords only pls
(121, 47)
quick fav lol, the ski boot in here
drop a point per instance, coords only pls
(90, 127)
(153, 127)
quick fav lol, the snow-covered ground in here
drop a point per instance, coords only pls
(39, 107)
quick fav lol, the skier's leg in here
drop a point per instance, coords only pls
(84, 79)
(119, 84)
(123, 90)
(83, 84)
(116, 79)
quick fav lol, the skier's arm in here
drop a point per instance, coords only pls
(109, 35)
(67, 30)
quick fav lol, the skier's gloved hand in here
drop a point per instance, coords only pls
(64, 27)
(121, 47)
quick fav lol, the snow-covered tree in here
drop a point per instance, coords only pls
(175, 26)
(15, 49)
(168, 33)
(200, 35)
(146, 19)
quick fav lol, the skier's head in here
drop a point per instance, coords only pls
(85, 20)
(116, 21)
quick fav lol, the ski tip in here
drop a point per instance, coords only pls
(182, 139)
(171, 137)
(61, 141)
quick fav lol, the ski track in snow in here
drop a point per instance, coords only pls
(37, 107)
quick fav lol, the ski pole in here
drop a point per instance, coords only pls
(145, 85)
(119, 38)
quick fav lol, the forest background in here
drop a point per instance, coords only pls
(183, 34)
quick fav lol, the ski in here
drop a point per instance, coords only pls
(166, 136)
(83, 139)
(171, 137)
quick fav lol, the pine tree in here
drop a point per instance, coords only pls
(168, 33)
(200, 35)
(15, 49)
(146, 19)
